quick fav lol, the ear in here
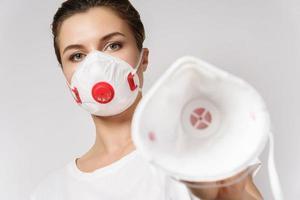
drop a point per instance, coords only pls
(145, 60)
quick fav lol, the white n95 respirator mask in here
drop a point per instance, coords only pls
(199, 123)
(105, 85)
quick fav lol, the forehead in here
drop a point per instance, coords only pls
(91, 25)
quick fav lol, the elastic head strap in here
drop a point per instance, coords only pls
(139, 61)
(140, 89)
(273, 176)
(69, 86)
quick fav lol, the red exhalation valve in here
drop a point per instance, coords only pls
(76, 97)
(152, 136)
(103, 92)
(130, 79)
(200, 118)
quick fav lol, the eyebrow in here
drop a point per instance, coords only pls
(105, 38)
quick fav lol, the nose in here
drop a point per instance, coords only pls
(103, 92)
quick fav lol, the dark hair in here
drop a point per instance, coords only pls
(123, 8)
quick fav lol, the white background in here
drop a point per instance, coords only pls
(41, 128)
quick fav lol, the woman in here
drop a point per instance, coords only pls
(111, 169)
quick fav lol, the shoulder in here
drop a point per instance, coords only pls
(48, 185)
(156, 177)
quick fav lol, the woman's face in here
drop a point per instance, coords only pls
(98, 29)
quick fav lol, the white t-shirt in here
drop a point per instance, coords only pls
(130, 178)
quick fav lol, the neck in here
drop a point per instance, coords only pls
(113, 133)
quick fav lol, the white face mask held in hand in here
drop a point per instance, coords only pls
(199, 123)
(105, 85)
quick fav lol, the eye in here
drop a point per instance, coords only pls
(77, 57)
(113, 46)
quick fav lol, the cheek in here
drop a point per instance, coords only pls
(129, 55)
(68, 73)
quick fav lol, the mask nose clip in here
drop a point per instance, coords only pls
(103, 92)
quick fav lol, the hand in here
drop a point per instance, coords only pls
(237, 187)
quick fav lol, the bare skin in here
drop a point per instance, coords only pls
(84, 32)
